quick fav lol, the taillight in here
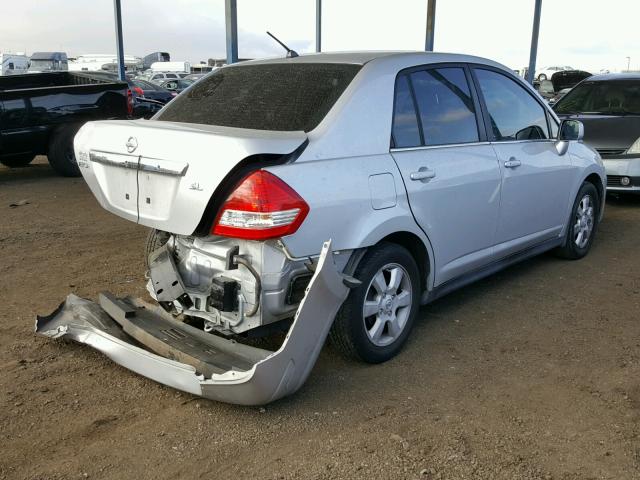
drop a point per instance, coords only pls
(129, 103)
(139, 91)
(262, 206)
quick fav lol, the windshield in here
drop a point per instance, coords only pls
(613, 97)
(276, 96)
(41, 65)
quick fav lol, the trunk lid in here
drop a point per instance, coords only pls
(163, 174)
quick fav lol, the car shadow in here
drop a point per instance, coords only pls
(38, 169)
(623, 199)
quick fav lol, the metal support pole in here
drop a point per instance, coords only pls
(231, 22)
(534, 42)
(318, 26)
(117, 13)
(431, 25)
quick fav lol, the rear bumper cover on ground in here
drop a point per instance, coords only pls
(233, 373)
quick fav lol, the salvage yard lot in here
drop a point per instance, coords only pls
(532, 373)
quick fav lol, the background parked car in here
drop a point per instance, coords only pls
(158, 77)
(609, 108)
(547, 73)
(145, 98)
(568, 79)
(152, 90)
(178, 85)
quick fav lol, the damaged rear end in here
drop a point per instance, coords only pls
(150, 342)
(200, 176)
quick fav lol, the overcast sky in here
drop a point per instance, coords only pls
(588, 34)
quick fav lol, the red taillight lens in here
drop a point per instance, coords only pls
(139, 91)
(129, 102)
(262, 206)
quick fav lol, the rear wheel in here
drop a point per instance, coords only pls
(17, 161)
(542, 77)
(583, 223)
(61, 155)
(376, 319)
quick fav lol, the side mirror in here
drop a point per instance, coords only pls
(571, 130)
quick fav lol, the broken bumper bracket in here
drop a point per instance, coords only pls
(196, 362)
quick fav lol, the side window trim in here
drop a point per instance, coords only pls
(415, 108)
(477, 102)
(485, 111)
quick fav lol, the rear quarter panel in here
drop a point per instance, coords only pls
(342, 201)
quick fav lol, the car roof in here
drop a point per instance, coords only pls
(363, 57)
(614, 76)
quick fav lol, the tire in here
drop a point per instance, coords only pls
(542, 77)
(374, 339)
(17, 161)
(155, 240)
(583, 221)
(61, 155)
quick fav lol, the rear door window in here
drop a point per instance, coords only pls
(406, 132)
(272, 96)
(445, 106)
(513, 112)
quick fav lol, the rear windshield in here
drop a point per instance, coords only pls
(280, 97)
(612, 97)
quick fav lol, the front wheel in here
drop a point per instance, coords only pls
(542, 77)
(376, 319)
(583, 223)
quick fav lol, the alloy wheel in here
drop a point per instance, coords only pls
(585, 219)
(387, 304)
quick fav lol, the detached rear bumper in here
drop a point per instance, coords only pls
(190, 360)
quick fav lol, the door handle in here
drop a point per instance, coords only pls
(422, 174)
(512, 163)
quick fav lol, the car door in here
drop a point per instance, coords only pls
(536, 179)
(450, 171)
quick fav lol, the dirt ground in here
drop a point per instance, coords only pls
(530, 374)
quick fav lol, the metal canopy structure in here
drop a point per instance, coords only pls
(318, 26)
(231, 23)
(431, 25)
(231, 26)
(117, 13)
(531, 73)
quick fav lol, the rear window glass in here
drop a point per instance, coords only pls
(280, 96)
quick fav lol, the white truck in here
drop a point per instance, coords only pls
(179, 67)
(13, 63)
(48, 62)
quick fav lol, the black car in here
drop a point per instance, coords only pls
(609, 107)
(151, 90)
(146, 98)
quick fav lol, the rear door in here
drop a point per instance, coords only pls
(450, 171)
(536, 180)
